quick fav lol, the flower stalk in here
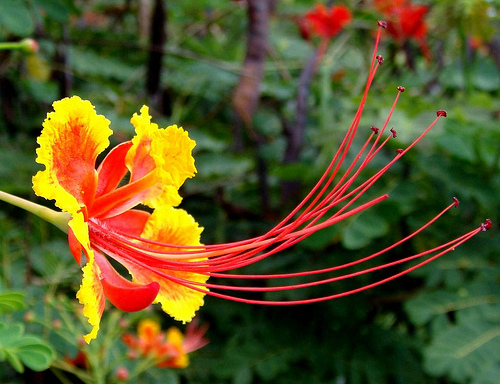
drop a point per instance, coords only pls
(59, 219)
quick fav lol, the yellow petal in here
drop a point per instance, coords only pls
(172, 226)
(91, 295)
(72, 138)
(164, 151)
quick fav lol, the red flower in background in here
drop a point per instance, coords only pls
(405, 21)
(324, 22)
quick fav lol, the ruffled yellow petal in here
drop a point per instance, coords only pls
(164, 151)
(172, 226)
(91, 296)
(72, 138)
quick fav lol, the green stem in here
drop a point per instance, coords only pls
(6, 46)
(59, 219)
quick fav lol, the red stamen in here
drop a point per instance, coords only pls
(312, 214)
(382, 24)
(486, 226)
(441, 113)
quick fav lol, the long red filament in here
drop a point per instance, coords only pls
(311, 214)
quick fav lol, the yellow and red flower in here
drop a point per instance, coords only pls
(168, 349)
(162, 249)
(158, 162)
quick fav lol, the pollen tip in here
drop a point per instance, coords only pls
(455, 200)
(486, 225)
(441, 113)
(393, 131)
(401, 89)
(399, 151)
(382, 23)
(380, 59)
(374, 129)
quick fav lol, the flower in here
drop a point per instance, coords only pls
(405, 21)
(162, 249)
(158, 162)
(168, 349)
(324, 22)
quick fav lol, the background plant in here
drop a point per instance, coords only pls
(440, 325)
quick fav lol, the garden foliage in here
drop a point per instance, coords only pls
(440, 324)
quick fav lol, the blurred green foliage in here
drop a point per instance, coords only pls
(440, 324)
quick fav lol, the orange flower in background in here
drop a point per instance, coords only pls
(168, 349)
(324, 22)
(405, 21)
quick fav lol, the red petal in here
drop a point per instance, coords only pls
(74, 246)
(122, 293)
(130, 222)
(112, 169)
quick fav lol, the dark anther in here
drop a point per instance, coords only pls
(486, 225)
(374, 129)
(455, 200)
(382, 24)
(401, 89)
(441, 113)
(399, 151)
(393, 131)
(380, 59)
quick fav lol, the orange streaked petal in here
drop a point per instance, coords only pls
(91, 295)
(172, 226)
(72, 138)
(166, 152)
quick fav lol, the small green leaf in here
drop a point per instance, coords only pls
(35, 354)
(11, 302)
(24, 350)
(14, 361)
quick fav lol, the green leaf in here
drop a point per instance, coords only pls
(88, 63)
(489, 376)
(463, 350)
(35, 354)
(24, 350)
(14, 361)
(425, 307)
(11, 301)
(367, 226)
(15, 18)
(59, 10)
